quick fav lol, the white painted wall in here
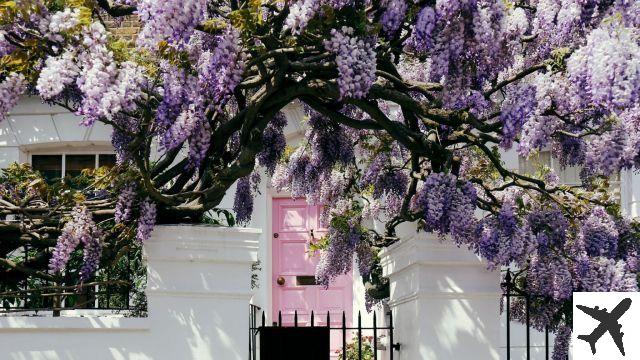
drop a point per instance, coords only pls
(630, 189)
(36, 127)
(198, 294)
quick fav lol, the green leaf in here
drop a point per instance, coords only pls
(8, 5)
(231, 221)
(214, 25)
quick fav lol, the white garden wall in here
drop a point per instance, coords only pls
(446, 303)
(444, 300)
(198, 293)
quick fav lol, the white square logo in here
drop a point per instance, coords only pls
(606, 325)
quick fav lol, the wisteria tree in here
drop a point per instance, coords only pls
(409, 105)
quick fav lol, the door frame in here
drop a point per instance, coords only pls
(267, 263)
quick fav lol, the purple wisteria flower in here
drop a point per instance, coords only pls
(172, 21)
(220, 70)
(300, 13)
(518, 106)
(447, 207)
(10, 90)
(273, 143)
(146, 221)
(81, 229)
(6, 47)
(599, 234)
(392, 17)
(243, 202)
(337, 259)
(356, 60)
(604, 275)
(504, 239)
(124, 206)
(421, 39)
(561, 343)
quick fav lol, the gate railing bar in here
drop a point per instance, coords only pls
(528, 324)
(375, 337)
(359, 336)
(508, 296)
(344, 334)
(393, 345)
(546, 342)
(514, 292)
(252, 333)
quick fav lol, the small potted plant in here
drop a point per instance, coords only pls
(352, 349)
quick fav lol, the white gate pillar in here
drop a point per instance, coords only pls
(199, 287)
(630, 193)
(444, 301)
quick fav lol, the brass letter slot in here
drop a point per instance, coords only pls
(305, 280)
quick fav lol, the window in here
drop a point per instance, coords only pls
(108, 160)
(50, 166)
(568, 176)
(74, 164)
(57, 166)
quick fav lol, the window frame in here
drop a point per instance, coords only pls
(96, 154)
(615, 180)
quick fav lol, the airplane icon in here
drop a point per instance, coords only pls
(608, 323)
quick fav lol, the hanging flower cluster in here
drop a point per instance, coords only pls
(5, 46)
(81, 229)
(221, 71)
(393, 16)
(173, 21)
(124, 206)
(446, 206)
(356, 60)
(64, 21)
(147, 220)
(243, 202)
(10, 90)
(107, 87)
(274, 143)
(503, 239)
(299, 15)
(345, 237)
(388, 181)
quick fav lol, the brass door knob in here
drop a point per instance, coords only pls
(280, 280)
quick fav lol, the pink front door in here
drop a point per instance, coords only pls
(293, 223)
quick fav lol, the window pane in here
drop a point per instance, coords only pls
(531, 165)
(108, 160)
(50, 166)
(76, 163)
(569, 175)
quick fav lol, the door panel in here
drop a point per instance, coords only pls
(293, 221)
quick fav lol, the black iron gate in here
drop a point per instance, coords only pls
(289, 342)
(510, 292)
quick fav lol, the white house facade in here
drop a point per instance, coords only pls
(445, 302)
